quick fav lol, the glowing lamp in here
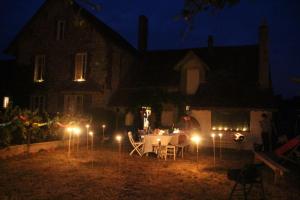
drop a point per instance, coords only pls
(220, 135)
(119, 138)
(87, 126)
(196, 138)
(76, 130)
(213, 128)
(213, 135)
(103, 126)
(69, 129)
(91, 133)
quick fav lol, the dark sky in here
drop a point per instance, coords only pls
(232, 26)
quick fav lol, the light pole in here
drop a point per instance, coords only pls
(70, 131)
(119, 140)
(220, 136)
(77, 132)
(103, 130)
(91, 133)
(196, 139)
(214, 147)
(87, 136)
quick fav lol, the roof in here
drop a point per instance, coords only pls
(157, 67)
(231, 77)
(101, 26)
(85, 12)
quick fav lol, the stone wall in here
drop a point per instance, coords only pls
(32, 148)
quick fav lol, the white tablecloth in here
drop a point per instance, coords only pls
(150, 140)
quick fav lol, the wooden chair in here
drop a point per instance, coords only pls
(168, 150)
(182, 143)
(246, 178)
(137, 146)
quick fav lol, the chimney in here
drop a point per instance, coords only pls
(210, 44)
(264, 74)
(142, 33)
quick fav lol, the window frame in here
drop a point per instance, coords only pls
(72, 105)
(60, 29)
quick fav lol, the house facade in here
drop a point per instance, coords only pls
(78, 65)
(225, 88)
(75, 60)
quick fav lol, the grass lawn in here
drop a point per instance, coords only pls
(110, 175)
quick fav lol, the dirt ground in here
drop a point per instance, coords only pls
(108, 174)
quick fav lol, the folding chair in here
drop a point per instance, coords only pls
(137, 146)
(246, 178)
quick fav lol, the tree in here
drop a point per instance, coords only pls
(193, 7)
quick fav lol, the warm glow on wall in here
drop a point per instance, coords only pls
(39, 81)
(79, 80)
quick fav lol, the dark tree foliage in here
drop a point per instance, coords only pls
(193, 7)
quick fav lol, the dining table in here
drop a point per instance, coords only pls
(152, 140)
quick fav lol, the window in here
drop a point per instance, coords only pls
(39, 66)
(73, 104)
(80, 66)
(38, 102)
(60, 30)
(192, 80)
(5, 102)
(230, 120)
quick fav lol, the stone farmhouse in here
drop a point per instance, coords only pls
(78, 65)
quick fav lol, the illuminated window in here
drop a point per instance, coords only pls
(39, 66)
(5, 102)
(38, 102)
(80, 66)
(73, 104)
(60, 29)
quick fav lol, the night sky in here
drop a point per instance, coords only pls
(232, 26)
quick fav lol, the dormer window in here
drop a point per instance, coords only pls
(39, 66)
(80, 67)
(192, 80)
(60, 29)
(193, 71)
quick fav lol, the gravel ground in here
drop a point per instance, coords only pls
(108, 174)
